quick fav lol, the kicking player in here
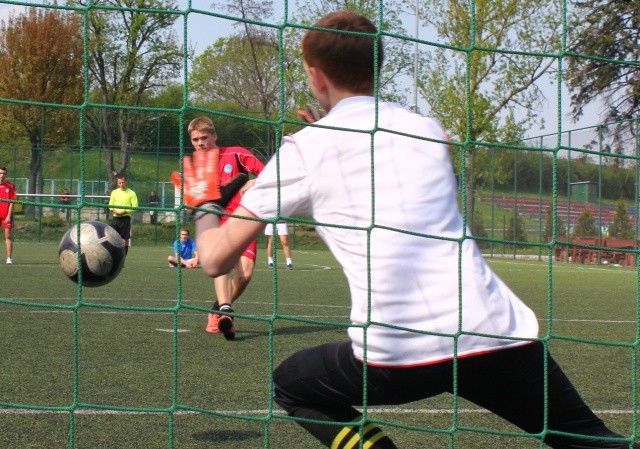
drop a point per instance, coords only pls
(233, 161)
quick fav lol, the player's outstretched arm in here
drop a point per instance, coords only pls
(310, 114)
(220, 248)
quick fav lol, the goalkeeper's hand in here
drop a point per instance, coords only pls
(310, 114)
(202, 180)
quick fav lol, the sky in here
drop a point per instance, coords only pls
(203, 30)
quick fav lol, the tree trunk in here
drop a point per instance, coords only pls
(35, 175)
(107, 145)
(123, 127)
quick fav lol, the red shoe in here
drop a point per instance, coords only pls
(221, 324)
(212, 323)
(225, 325)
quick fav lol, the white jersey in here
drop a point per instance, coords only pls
(420, 289)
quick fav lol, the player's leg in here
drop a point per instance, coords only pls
(222, 289)
(126, 233)
(269, 231)
(270, 250)
(229, 291)
(510, 383)
(324, 383)
(224, 321)
(8, 242)
(283, 232)
(173, 261)
(243, 274)
(284, 240)
(123, 227)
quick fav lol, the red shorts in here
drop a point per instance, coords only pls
(252, 251)
(9, 225)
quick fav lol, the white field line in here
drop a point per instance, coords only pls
(92, 310)
(396, 411)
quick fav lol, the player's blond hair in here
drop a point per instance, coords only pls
(202, 124)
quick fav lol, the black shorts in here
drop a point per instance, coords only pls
(122, 225)
(326, 383)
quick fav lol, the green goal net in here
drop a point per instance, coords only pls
(93, 88)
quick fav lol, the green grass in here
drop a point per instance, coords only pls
(132, 358)
(65, 164)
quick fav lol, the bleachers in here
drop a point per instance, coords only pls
(568, 212)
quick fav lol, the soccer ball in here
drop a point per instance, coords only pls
(101, 253)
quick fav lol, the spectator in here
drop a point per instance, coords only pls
(153, 202)
(65, 200)
(281, 228)
(184, 250)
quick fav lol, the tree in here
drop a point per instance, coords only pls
(608, 34)
(40, 64)
(246, 73)
(620, 227)
(487, 75)
(515, 229)
(585, 226)
(132, 52)
(561, 230)
(241, 69)
(478, 230)
(397, 53)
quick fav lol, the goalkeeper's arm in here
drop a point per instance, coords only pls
(219, 248)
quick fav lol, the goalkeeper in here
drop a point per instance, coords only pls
(393, 221)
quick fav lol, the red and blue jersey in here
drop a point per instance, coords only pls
(233, 161)
(7, 192)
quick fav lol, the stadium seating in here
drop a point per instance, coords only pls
(569, 212)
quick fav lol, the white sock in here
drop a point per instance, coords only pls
(289, 261)
(269, 259)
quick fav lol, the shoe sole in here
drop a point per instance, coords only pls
(225, 325)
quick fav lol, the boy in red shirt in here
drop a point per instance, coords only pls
(7, 192)
(233, 161)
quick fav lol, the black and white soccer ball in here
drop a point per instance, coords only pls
(101, 249)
